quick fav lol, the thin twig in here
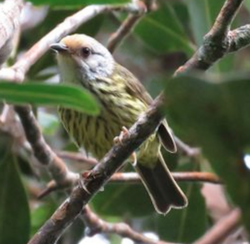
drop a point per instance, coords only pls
(222, 229)
(97, 225)
(132, 178)
(216, 42)
(178, 176)
(77, 157)
(122, 32)
(126, 27)
(42, 151)
(182, 147)
(18, 71)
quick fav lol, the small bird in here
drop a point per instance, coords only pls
(85, 62)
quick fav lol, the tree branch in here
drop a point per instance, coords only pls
(98, 177)
(239, 38)
(77, 157)
(122, 32)
(10, 12)
(222, 229)
(216, 42)
(178, 176)
(18, 71)
(97, 225)
(42, 151)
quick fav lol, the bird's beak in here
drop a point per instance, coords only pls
(59, 47)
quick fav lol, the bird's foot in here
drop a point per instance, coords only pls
(119, 139)
(83, 180)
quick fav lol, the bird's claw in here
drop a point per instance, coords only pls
(83, 179)
(119, 139)
(134, 158)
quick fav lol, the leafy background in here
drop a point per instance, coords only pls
(208, 111)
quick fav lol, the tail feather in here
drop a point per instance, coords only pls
(162, 188)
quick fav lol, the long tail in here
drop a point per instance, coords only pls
(162, 188)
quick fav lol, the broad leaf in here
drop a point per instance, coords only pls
(45, 94)
(123, 199)
(14, 208)
(214, 114)
(162, 32)
(41, 214)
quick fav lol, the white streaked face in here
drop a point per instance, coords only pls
(81, 57)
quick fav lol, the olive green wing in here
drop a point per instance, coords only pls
(135, 88)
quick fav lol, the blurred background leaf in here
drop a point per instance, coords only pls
(14, 207)
(213, 113)
(40, 214)
(123, 199)
(157, 27)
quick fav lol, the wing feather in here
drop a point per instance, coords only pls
(135, 88)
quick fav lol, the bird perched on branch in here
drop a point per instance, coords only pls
(85, 62)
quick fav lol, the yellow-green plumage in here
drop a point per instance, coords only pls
(118, 108)
(122, 99)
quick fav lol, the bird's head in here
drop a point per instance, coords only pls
(82, 57)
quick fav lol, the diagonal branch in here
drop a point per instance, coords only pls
(42, 151)
(18, 71)
(98, 177)
(216, 42)
(222, 229)
(122, 32)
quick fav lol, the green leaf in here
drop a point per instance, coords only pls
(41, 214)
(44, 94)
(202, 15)
(191, 221)
(14, 208)
(162, 32)
(214, 114)
(247, 4)
(76, 2)
(123, 199)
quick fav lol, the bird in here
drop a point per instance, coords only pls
(86, 63)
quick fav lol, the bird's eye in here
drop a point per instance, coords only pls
(85, 52)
